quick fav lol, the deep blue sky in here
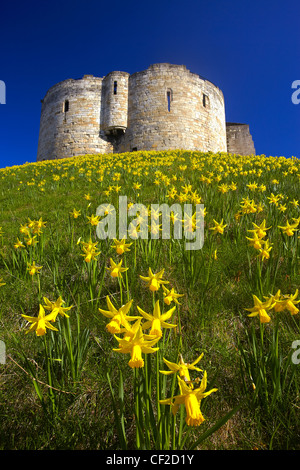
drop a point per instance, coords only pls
(249, 48)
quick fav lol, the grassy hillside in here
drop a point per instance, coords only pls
(70, 387)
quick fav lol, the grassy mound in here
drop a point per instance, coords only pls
(69, 387)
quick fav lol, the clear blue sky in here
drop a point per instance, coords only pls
(249, 48)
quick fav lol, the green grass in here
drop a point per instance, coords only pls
(78, 412)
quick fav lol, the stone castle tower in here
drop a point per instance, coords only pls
(162, 108)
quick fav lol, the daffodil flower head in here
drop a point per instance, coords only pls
(115, 269)
(276, 304)
(260, 230)
(89, 245)
(289, 229)
(41, 322)
(288, 302)
(135, 344)
(191, 399)
(171, 296)
(25, 230)
(75, 214)
(256, 241)
(18, 244)
(218, 227)
(156, 321)
(57, 307)
(261, 308)
(119, 317)
(93, 219)
(90, 251)
(120, 246)
(264, 251)
(31, 241)
(154, 280)
(182, 368)
(33, 268)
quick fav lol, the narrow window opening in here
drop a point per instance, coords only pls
(169, 100)
(66, 106)
(115, 88)
(205, 101)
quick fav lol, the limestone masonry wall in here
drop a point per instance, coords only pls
(161, 108)
(239, 139)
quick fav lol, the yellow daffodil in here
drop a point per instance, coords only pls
(295, 203)
(252, 186)
(31, 241)
(174, 217)
(115, 269)
(41, 322)
(264, 251)
(156, 321)
(182, 368)
(274, 199)
(33, 269)
(118, 317)
(25, 230)
(190, 223)
(256, 241)
(38, 225)
(88, 245)
(90, 254)
(171, 296)
(191, 399)
(117, 188)
(57, 307)
(260, 230)
(133, 231)
(94, 219)
(262, 188)
(219, 227)
(154, 280)
(289, 229)
(18, 244)
(121, 246)
(260, 308)
(75, 214)
(286, 302)
(282, 207)
(135, 343)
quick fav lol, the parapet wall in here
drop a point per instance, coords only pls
(239, 139)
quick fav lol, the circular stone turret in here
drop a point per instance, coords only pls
(114, 103)
(171, 108)
(70, 120)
